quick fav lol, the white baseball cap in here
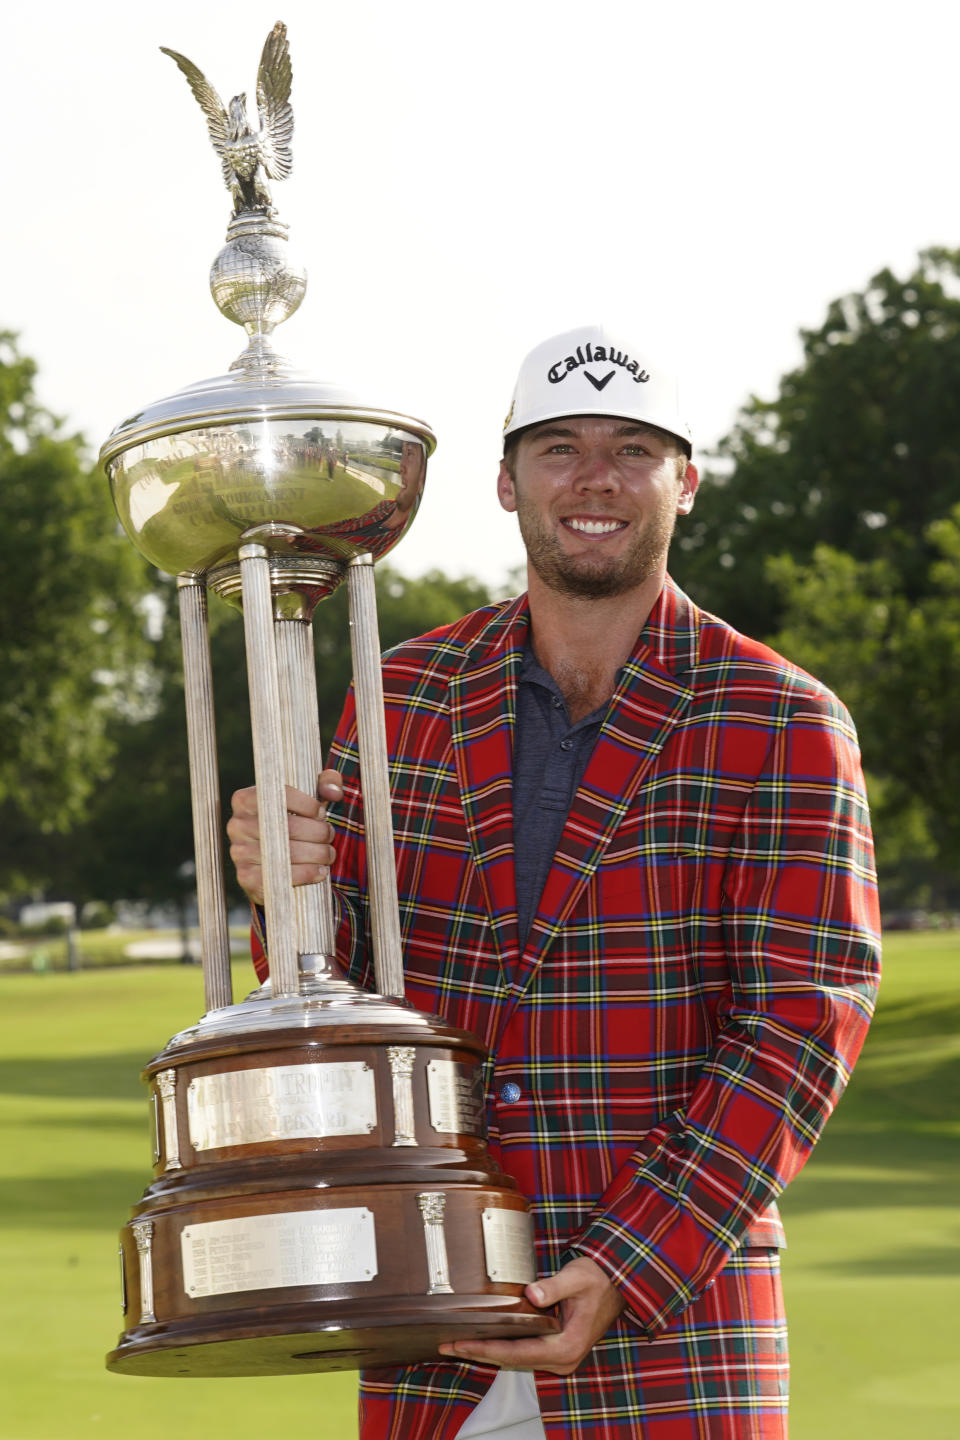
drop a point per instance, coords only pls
(591, 371)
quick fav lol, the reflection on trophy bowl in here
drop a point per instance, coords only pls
(191, 474)
(323, 1198)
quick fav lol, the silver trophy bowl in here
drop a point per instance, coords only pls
(193, 473)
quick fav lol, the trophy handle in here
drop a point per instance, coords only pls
(374, 776)
(264, 682)
(205, 792)
(303, 760)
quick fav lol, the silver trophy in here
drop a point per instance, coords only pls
(322, 1195)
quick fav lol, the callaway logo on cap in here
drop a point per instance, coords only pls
(590, 371)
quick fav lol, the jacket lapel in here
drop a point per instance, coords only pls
(652, 695)
(483, 708)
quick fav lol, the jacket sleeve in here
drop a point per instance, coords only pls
(801, 928)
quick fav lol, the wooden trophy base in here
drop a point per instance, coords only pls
(356, 1337)
(323, 1197)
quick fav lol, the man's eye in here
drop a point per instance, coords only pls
(561, 448)
(635, 450)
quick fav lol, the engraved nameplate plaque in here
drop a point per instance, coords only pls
(264, 1252)
(281, 1102)
(455, 1092)
(508, 1246)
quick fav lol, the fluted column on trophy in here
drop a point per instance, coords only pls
(302, 761)
(267, 727)
(372, 741)
(205, 792)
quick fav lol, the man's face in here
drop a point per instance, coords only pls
(596, 498)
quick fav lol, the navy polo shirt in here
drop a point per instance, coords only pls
(549, 759)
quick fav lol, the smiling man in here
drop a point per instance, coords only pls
(633, 856)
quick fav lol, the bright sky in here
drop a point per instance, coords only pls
(467, 181)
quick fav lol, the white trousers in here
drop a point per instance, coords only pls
(508, 1411)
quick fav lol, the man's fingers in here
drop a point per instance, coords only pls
(560, 1354)
(330, 785)
(303, 854)
(537, 1354)
(553, 1288)
(589, 1306)
(249, 876)
(313, 832)
(311, 835)
(297, 802)
(300, 803)
(244, 802)
(309, 874)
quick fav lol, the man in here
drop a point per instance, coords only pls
(633, 856)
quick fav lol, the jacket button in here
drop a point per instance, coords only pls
(510, 1093)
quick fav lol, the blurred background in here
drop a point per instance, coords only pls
(767, 196)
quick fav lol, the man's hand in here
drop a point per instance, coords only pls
(589, 1304)
(311, 835)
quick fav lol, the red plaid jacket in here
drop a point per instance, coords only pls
(696, 984)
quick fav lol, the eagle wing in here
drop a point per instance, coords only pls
(273, 104)
(211, 105)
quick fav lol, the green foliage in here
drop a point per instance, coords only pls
(97, 916)
(894, 660)
(70, 643)
(831, 534)
(406, 607)
(860, 450)
(137, 843)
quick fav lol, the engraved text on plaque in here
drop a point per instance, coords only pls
(456, 1097)
(263, 1252)
(282, 1102)
(508, 1246)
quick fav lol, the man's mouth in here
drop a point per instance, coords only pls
(583, 526)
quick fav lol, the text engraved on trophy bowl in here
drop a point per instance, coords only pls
(456, 1097)
(508, 1246)
(281, 1102)
(266, 1252)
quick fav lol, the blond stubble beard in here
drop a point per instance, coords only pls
(601, 577)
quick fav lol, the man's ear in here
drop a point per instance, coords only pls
(688, 489)
(506, 491)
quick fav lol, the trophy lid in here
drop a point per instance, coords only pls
(267, 388)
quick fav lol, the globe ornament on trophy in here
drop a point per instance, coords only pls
(322, 1195)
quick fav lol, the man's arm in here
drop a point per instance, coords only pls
(801, 924)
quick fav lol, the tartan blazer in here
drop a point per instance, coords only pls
(696, 984)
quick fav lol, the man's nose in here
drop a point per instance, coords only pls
(596, 470)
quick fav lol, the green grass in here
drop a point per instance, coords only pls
(872, 1272)
(75, 1148)
(870, 1275)
(95, 948)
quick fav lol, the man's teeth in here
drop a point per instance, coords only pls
(595, 527)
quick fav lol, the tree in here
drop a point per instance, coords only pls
(137, 843)
(859, 450)
(894, 660)
(70, 624)
(406, 607)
